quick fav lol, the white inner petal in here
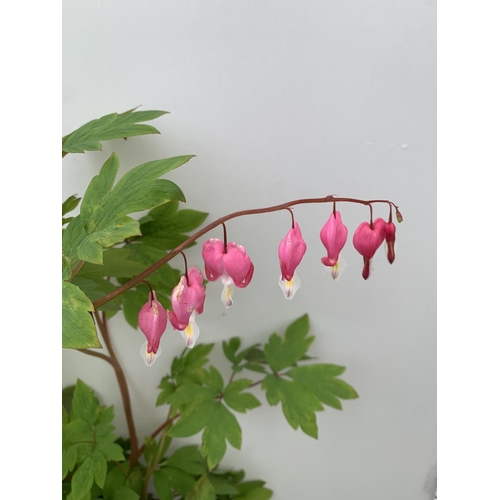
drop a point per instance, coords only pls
(148, 357)
(192, 332)
(289, 287)
(338, 268)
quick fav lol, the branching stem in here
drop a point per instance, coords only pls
(122, 383)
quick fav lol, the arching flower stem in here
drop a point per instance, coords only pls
(167, 258)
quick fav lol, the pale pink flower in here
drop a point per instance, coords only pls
(231, 265)
(188, 298)
(290, 252)
(152, 322)
(334, 236)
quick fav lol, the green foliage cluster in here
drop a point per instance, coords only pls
(103, 246)
(199, 400)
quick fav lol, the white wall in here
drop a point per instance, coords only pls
(283, 100)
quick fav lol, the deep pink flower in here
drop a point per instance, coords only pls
(152, 322)
(188, 298)
(334, 236)
(233, 267)
(290, 252)
(367, 239)
(390, 238)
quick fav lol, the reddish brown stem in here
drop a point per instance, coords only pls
(157, 431)
(122, 383)
(284, 206)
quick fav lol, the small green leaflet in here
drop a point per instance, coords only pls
(238, 400)
(320, 379)
(93, 468)
(282, 352)
(166, 225)
(70, 204)
(112, 126)
(203, 490)
(78, 329)
(188, 459)
(298, 404)
(219, 423)
(117, 263)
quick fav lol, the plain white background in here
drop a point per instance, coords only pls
(280, 101)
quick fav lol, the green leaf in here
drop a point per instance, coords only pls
(231, 347)
(221, 485)
(190, 393)
(213, 379)
(116, 263)
(140, 189)
(98, 190)
(203, 490)
(104, 208)
(167, 390)
(165, 226)
(110, 451)
(112, 126)
(162, 485)
(135, 479)
(95, 288)
(255, 355)
(93, 468)
(188, 459)
(78, 329)
(222, 426)
(254, 367)
(282, 352)
(237, 400)
(219, 423)
(91, 248)
(72, 238)
(70, 204)
(298, 404)
(77, 431)
(66, 268)
(179, 480)
(68, 460)
(85, 404)
(250, 485)
(188, 368)
(192, 420)
(259, 493)
(125, 493)
(320, 380)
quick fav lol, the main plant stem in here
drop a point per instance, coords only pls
(284, 206)
(122, 383)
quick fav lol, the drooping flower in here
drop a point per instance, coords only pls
(334, 236)
(188, 299)
(390, 238)
(366, 240)
(290, 252)
(233, 266)
(152, 322)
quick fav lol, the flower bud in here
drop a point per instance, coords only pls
(152, 322)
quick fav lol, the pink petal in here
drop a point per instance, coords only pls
(238, 265)
(333, 236)
(290, 252)
(212, 253)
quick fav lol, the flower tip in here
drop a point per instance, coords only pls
(366, 268)
(289, 287)
(149, 357)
